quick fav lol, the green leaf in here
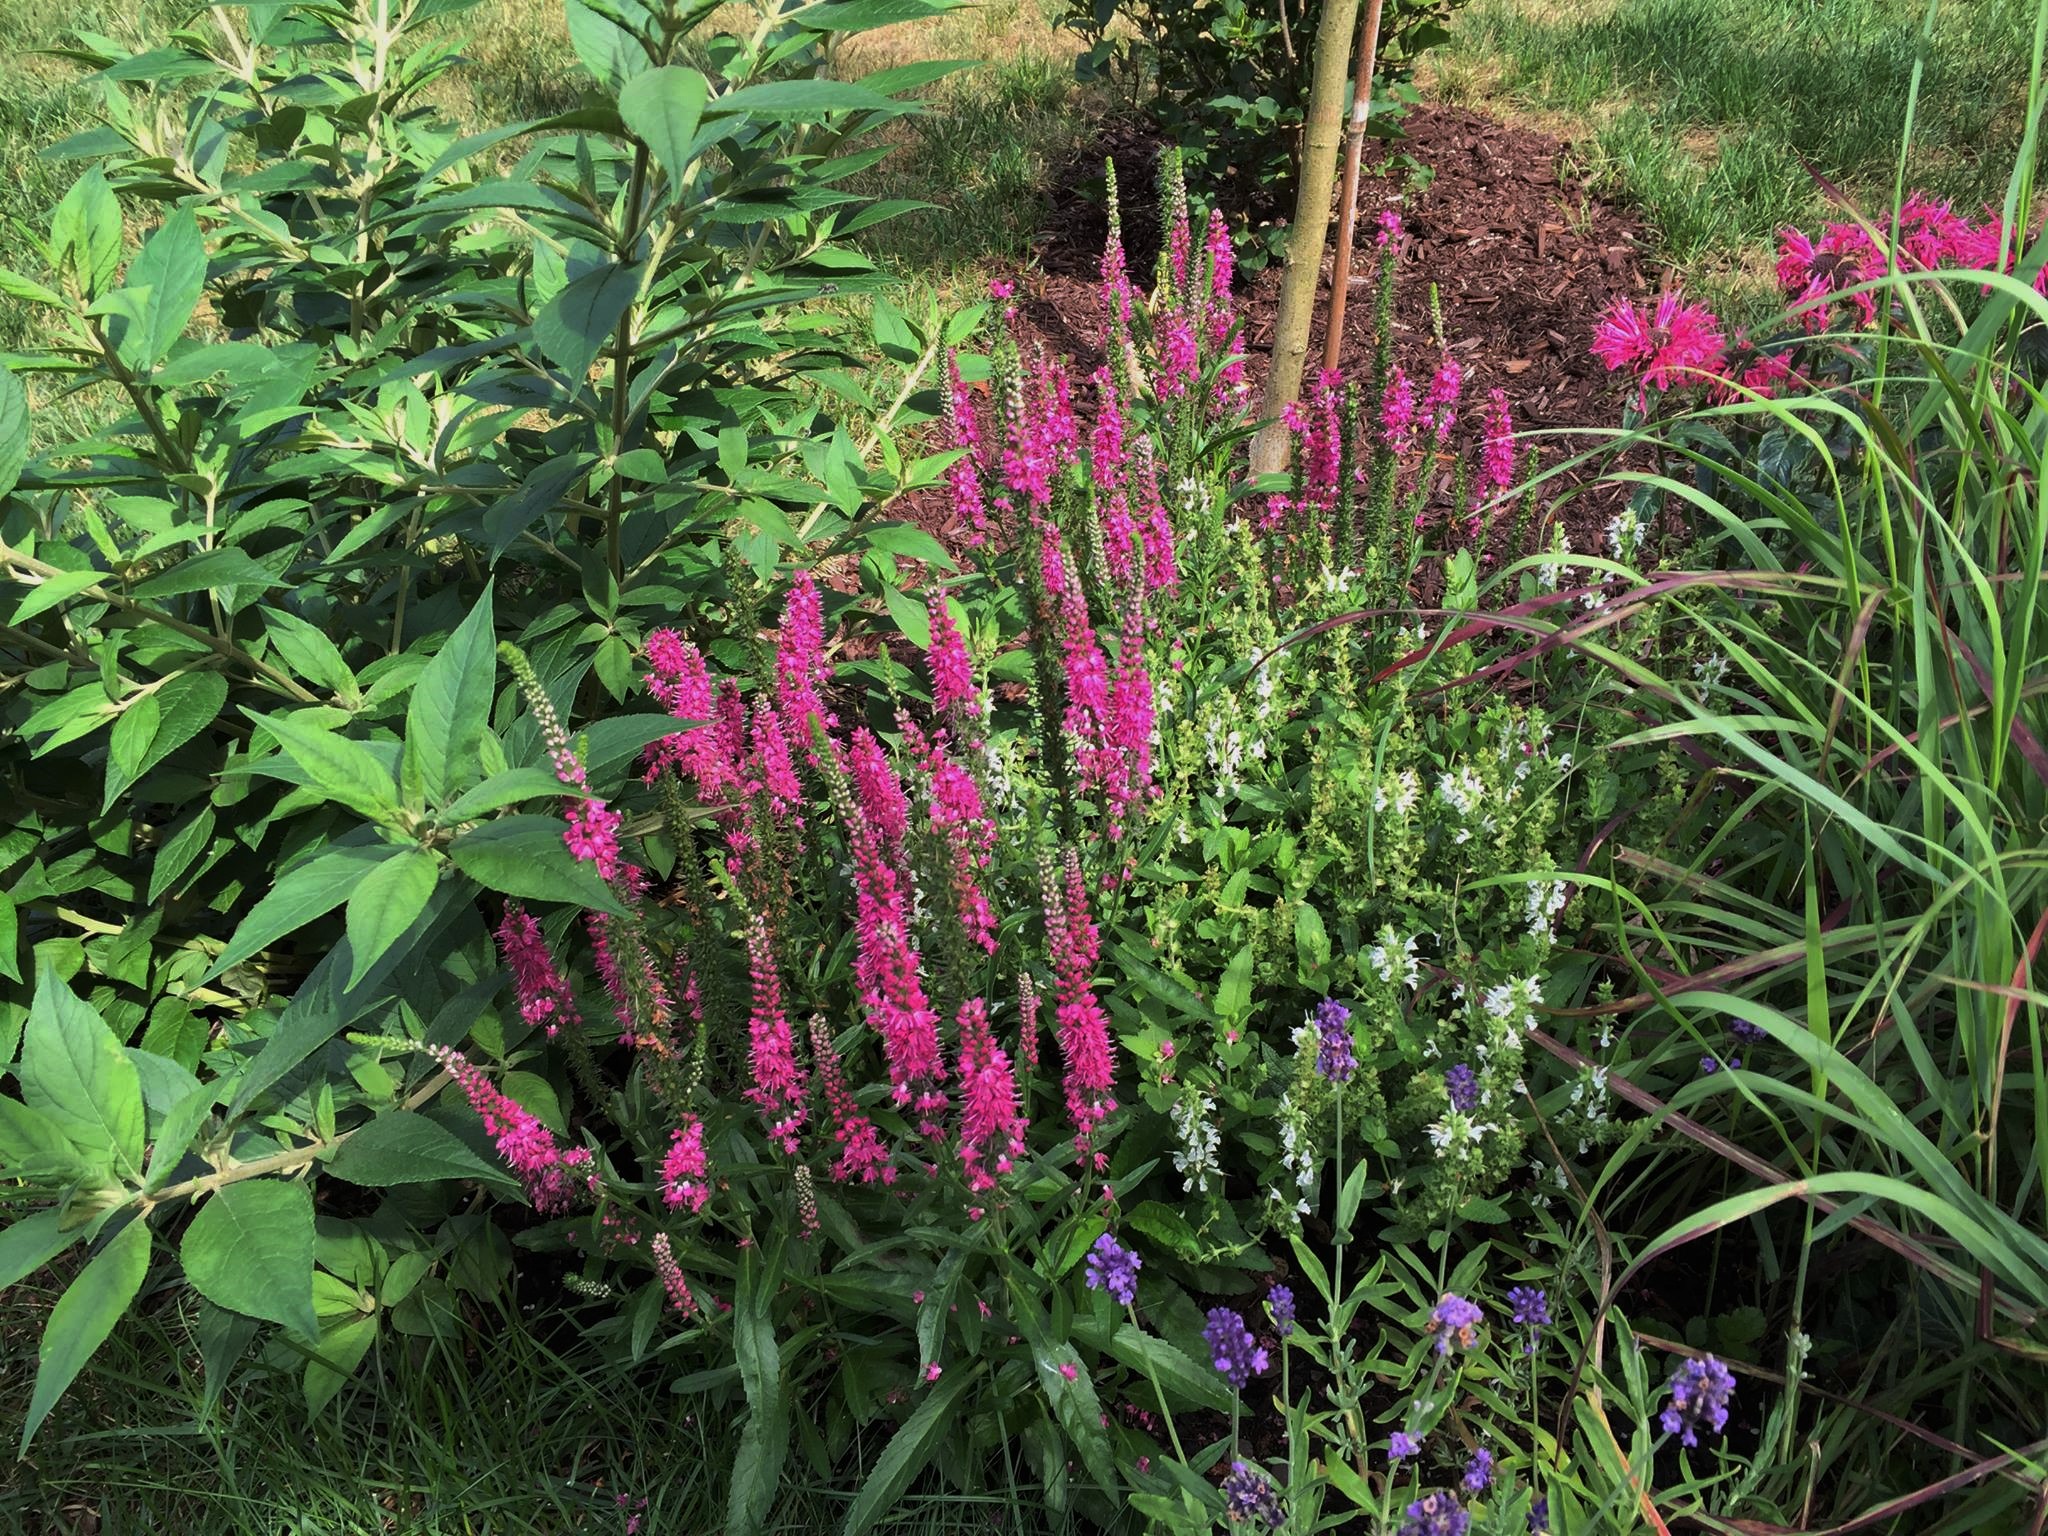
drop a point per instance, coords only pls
(912, 543)
(525, 856)
(174, 1135)
(224, 1338)
(74, 1072)
(33, 1147)
(307, 651)
(511, 787)
(663, 108)
(211, 571)
(342, 770)
(176, 1032)
(307, 891)
(83, 1317)
(250, 1250)
(1171, 1367)
(400, 1147)
(385, 903)
(52, 590)
(804, 101)
(172, 266)
(176, 853)
(1311, 943)
(13, 430)
(450, 709)
(764, 1442)
(30, 1243)
(573, 326)
(85, 235)
(10, 934)
(607, 50)
(180, 710)
(908, 1451)
(343, 1343)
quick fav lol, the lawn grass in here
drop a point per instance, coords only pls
(1723, 118)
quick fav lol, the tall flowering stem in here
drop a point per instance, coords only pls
(1079, 1022)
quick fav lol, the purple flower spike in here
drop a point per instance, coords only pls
(1251, 1497)
(1437, 1514)
(1699, 1395)
(1336, 1059)
(1479, 1471)
(1280, 1301)
(1462, 1084)
(1400, 1445)
(1233, 1349)
(1113, 1268)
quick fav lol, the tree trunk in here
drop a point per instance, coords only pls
(1347, 200)
(1320, 135)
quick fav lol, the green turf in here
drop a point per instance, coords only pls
(1726, 119)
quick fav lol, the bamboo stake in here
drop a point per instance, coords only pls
(1347, 206)
(1303, 271)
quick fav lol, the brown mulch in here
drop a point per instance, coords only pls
(1522, 256)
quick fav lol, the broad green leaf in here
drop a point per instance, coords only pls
(176, 853)
(179, 711)
(75, 1073)
(573, 326)
(30, 1243)
(525, 856)
(511, 787)
(250, 1249)
(174, 1134)
(341, 769)
(52, 590)
(450, 709)
(607, 50)
(176, 1032)
(172, 266)
(804, 101)
(85, 234)
(307, 891)
(342, 1347)
(663, 108)
(909, 1450)
(224, 1337)
(13, 430)
(764, 1442)
(10, 934)
(400, 1147)
(1181, 1376)
(34, 1147)
(83, 1317)
(386, 902)
(211, 571)
(308, 651)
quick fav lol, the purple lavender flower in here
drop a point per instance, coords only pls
(1529, 1307)
(1462, 1084)
(1709, 1066)
(1700, 1390)
(1459, 1319)
(1436, 1514)
(1233, 1349)
(1746, 1032)
(1251, 1497)
(1335, 1057)
(1401, 1444)
(1479, 1471)
(1539, 1516)
(1280, 1300)
(1114, 1268)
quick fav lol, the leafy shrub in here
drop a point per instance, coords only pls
(1227, 82)
(362, 373)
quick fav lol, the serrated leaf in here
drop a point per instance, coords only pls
(176, 1033)
(573, 326)
(909, 1450)
(85, 234)
(804, 101)
(83, 1317)
(663, 107)
(33, 1147)
(172, 266)
(250, 1250)
(511, 787)
(764, 1442)
(450, 708)
(179, 711)
(10, 938)
(386, 902)
(525, 856)
(341, 769)
(13, 431)
(75, 1073)
(176, 853)
(53, 590)
(30, 1243)
(209, 571)
(401, 1147)
(309, 890)
(912, 543)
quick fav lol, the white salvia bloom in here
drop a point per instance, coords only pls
(1393, 959)
(1200, 1140)
(1545, 900)
(1514, 1003)
(1625, 534)
(1401, 797)
(1458, 1130)
(1547, 574)
(1708, 671)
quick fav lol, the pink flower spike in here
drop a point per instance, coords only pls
(951, 667)
(862, 1157)
(555, 1179)
(779, 1079)
(685, 1175)
(1497, 463)
(992, 1123)
(672, 1280)
(545, 999)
